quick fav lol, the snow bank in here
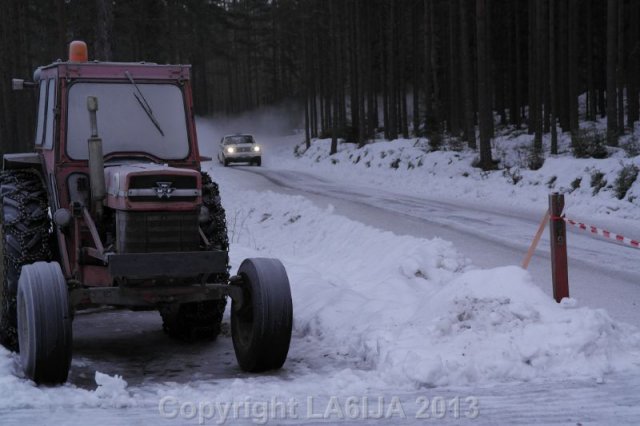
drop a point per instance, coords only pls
(414, 311)
(497, 325)
(409, 166)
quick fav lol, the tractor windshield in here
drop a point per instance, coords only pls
(123, 125)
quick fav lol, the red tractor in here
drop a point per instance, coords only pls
(125, 217)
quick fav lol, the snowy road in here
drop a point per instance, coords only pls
(601, 273)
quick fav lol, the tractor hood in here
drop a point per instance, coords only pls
(152, 187)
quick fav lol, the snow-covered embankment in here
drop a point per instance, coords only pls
(415, 311)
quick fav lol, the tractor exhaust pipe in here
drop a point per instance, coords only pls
(96, 160)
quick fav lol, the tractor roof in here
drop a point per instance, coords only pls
(78, 66)
(109, 70)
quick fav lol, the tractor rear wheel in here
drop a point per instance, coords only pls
(202, 320)
(261, 324)
(25, 238)
(44, 323)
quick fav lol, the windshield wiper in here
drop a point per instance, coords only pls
(143, 103)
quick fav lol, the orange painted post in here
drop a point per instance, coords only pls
(558, 237)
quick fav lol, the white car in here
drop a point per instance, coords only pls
(239, 148)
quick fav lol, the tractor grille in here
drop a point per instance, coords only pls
(178, 183)
(153, 232)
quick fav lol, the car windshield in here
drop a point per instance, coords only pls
(123, 123)
(235, 140)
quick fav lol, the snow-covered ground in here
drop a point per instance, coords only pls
(386, 326)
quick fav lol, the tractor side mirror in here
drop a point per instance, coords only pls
(20, 84)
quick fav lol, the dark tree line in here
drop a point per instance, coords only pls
(357, 67)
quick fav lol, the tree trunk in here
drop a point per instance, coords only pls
(361, 69)
(453, 103)
(104, 28)
(401, 75)
(532, 92)
(591, 91)
(552, 78)
(546, 90)
(416, 55)
(612, 35)
(563, 67)
(485, 115)
(538, 38)
(489, 64)
(391, 120)
(428, 69)
(434, 102)
(466, 71)
(620, 67)
(574, 77)
(333, 67)
(62, 30)
(634, 65)
(517, 113)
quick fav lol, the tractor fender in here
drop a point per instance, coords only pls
(22, 160)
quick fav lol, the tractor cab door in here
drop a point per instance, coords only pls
(47, 107)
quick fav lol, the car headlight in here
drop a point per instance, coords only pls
(256, 148)
(231, 150)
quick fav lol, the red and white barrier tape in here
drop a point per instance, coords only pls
(604, 233)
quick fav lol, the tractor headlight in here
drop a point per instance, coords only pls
(256, 148)
(231, 150)
(62, 218)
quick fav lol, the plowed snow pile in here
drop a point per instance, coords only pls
(415, 311)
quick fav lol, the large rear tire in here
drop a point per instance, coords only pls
(44, 323)
(25, 237)
(202, 320)
(261, 325)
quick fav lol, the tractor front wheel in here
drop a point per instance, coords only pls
(261, 323)
(44, 323)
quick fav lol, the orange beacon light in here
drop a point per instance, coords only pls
(78, 51)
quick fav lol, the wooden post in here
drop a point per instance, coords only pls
(536, 240)
(558, 237)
